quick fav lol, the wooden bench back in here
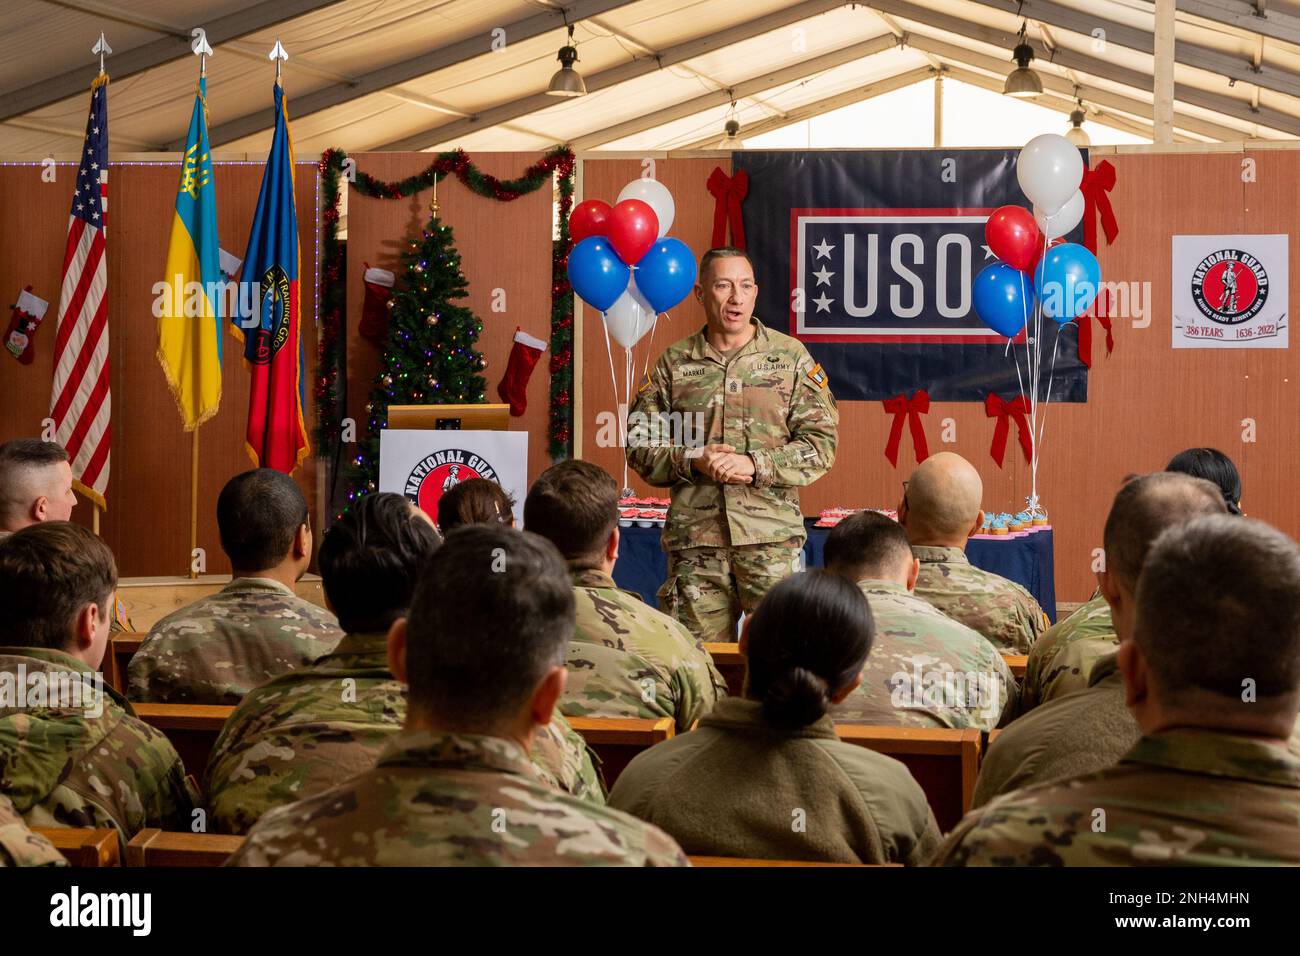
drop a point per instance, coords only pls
(727, 659)
(616, 740)
(944, 762)
(192, 729)
(159, 848)
(83, 847)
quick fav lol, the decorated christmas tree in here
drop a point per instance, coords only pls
(430, 357)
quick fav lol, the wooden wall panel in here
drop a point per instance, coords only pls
(502, 246)
(1146, 401)
(147, 521)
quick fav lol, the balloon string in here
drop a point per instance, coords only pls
(627, 402)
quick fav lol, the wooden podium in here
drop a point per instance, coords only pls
(494, 418)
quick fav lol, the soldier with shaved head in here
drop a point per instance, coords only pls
(940, 510)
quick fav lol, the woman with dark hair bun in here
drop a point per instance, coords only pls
(765, 776)
(1212, 465)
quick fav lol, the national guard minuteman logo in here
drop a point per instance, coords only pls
(436, 474)
(1229, 286)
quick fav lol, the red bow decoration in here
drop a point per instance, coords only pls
(1096, 185)
(1099, 310)
(995, 407)
(727, 192)
(900, 406)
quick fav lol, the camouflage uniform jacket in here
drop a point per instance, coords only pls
(769, 400)
(629, 660)
(62, 766)
(1061, 660)
(1001, 610)
(315, 727)
(736, 786)
(439, 799)
(19, 846)
(1066, 737)
(1183, 797)
(219, 648)
(925, 669)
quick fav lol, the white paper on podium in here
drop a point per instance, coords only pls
(423, 463)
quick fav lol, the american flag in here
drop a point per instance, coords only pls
(79, 403)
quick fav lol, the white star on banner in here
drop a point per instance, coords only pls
(988, 253)
(823, 276)
(824, 249)
(823, 303)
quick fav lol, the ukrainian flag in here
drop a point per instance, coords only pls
(189, 322)
(268, 316)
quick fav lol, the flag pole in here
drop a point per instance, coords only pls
(194, 499)
(94, 518)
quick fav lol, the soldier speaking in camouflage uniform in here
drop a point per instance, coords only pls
(763, 412)
(1075, 733)
(1212, 676)
(940, 510)
(925, 669)
(255, 628)
(626, 659)
(19, 846)
(315, 727)
(482, 652)
(72, 754)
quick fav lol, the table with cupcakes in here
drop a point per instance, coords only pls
(1017, 546)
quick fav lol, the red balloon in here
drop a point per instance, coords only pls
(589, 218)
(632, 229)
(1013, 235)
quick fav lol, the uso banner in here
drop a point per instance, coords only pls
(867, 257)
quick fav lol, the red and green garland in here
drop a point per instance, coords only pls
(559, 162)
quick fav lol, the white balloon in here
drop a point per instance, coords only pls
(655, 195)
(630, 317)
(1069, 216)
(1049, 171)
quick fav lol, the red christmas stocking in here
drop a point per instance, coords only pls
(26, 316)
(374, 308)
(513, 387)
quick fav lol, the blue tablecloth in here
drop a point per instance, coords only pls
(642, 565)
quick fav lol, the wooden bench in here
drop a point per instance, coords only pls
(84, 847)
(945, 762)
(121, 648)
(192, 729)
(152, 847)
(727, 659)
(1017, 663)
(616, 740)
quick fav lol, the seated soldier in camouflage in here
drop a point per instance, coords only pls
(1212, 676)
(765, 776)
(317, 726)
(19, 846)
(220, 647)
(483, 654)
(72, 754)
(1091, 728)
(626, 658)
(925, 669)
(940, 510)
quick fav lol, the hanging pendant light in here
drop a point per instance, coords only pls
(1075, 133)
(567, 81)
(1022, 82)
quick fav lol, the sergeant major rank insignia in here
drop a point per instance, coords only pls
(817, 376)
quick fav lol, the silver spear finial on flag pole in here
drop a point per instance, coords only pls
(279, 56)
(103, 49)
(199, 44)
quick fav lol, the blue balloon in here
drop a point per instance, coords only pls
(1066, 280)
(597, 274)
(666, 273)
(1003, 298)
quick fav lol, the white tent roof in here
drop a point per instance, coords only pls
(661, 74)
